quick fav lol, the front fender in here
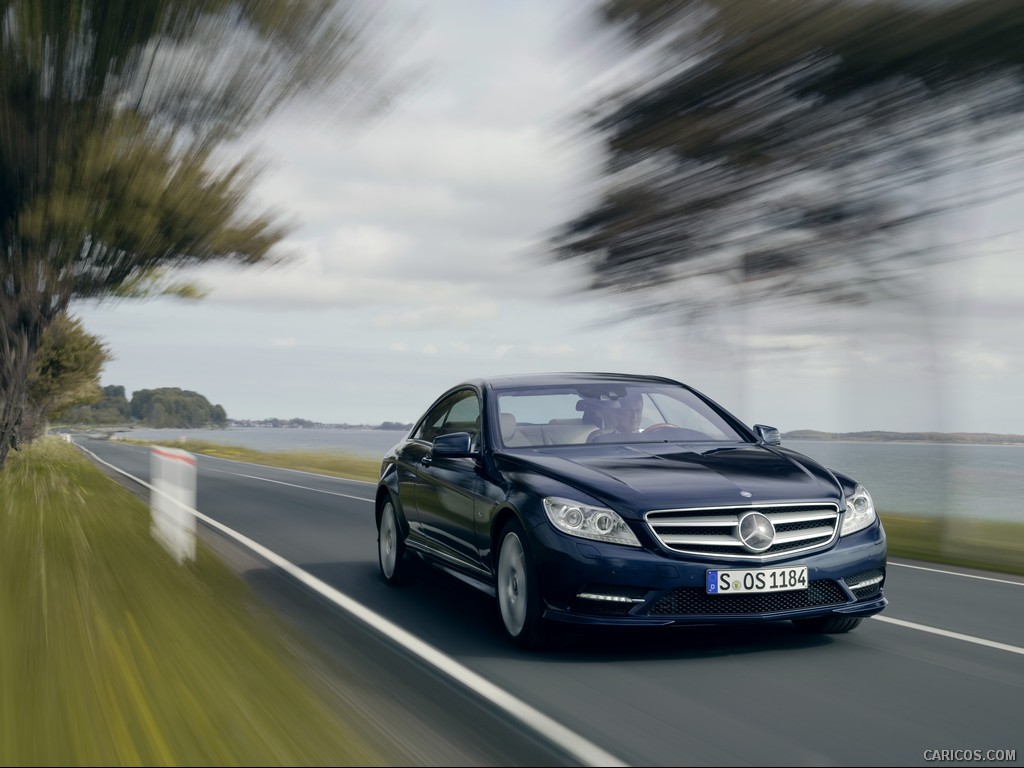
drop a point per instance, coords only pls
(387, 488)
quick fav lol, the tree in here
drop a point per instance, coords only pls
(115, 400)
(66, 373)
(118, 120)
(792, 148)
(111, 408)
(176, 407)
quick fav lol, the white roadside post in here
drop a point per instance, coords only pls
(173, 477)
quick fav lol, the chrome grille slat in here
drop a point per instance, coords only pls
(707, 520)
(780, 518)
(714, 531)
(721, 541)
(806, 533)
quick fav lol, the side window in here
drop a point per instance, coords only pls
(460, 412)
(434, 420)
(464, 416)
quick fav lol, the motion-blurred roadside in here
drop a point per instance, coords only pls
(111, 653)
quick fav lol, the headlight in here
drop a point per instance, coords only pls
(860, 511)
(587, 522)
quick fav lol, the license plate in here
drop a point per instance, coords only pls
(740, 582)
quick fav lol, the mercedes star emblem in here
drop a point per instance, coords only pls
(756, 532)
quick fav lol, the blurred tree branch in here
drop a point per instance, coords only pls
(792, 148)
(117, 123)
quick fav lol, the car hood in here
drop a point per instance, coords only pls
(665, 476)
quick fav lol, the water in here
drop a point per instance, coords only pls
(368, 442)
(924, 479)
(930, 479)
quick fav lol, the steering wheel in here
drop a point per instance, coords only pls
(662, 425)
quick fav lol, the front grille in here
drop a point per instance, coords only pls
(714, 531)
(877, 576)
(692, 601)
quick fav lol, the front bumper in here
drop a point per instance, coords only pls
(591, 583)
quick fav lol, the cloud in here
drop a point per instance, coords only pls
(419, 238)
(355, 269)
(438, 316)
(979, 362)
(557, 351)
(456, 186)
(793, 342)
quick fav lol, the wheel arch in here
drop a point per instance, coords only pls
(388, 491)
(501, 518)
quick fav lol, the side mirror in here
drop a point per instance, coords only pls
(768, 435)
(453, 445)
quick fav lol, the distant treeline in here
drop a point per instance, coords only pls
(168, 407)
(307, 424)
(911, 437)
(395, 425)
(174, 408)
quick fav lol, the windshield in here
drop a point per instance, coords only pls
(609, 413)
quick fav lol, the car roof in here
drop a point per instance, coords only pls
(516, 380)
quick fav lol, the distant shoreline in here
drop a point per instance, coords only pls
(878, 436)
(873, 436)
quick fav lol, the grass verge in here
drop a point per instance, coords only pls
(333, 463)
(113, 654)
(982, 544)
(988, 545)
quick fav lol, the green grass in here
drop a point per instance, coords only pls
(113, 654)
(334, 463)
(987, 545)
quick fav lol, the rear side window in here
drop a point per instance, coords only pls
(459, 412)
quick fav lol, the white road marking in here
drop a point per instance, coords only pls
(292, 485)
(957, 573)
(954, 635)
(586, 752)
(287, 469)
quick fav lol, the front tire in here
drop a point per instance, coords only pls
(391, 557)
(518, 590)
(827, 625)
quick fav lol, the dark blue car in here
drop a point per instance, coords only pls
(618, 500)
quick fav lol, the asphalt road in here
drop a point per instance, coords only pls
(942, 669)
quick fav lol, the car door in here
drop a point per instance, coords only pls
(447, 487)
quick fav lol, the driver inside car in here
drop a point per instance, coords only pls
(623, 418)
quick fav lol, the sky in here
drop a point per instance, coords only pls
(418, 263)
